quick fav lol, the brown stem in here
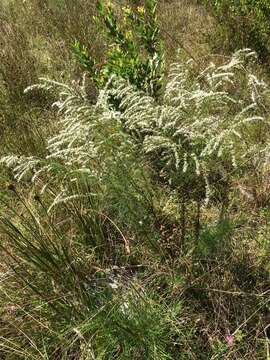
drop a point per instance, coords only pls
(197, 221)
(183, 220)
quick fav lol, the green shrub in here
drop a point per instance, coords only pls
(134, 47)
(246, 22)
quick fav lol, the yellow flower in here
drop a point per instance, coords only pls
(127, 10)
(140, 9)
(128, 34)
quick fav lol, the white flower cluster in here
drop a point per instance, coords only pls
(202, 119)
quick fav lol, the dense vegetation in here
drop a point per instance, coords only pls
(134, 218)
(244, 23)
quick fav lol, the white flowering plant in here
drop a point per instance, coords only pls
(206, 123)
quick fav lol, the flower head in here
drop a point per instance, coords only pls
(230, 340)
(140, 9)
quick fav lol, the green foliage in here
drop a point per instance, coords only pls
(214, 238)
(138, 327)
(135, 51)
(83, 303)
(246, 22)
